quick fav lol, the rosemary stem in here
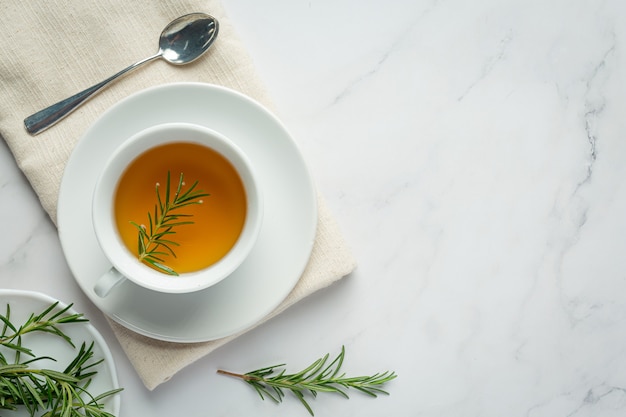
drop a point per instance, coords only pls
(158, 225)
(236, 375)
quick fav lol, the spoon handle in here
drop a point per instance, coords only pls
(43, 119)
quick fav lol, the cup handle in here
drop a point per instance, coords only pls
(109, 280)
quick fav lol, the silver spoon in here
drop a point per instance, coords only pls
(182, 41)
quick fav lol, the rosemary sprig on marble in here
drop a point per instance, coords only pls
(317, 377)
(154, 241)
(57, 393)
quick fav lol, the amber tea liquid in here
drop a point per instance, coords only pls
(218, 221)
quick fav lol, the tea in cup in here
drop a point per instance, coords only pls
(176, 209)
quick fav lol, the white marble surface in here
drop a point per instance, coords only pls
(473, 154)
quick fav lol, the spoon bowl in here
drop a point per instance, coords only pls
(183, 40)
(187, 38)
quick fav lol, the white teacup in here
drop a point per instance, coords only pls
(126, 264)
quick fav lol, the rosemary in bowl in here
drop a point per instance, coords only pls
(27, 383)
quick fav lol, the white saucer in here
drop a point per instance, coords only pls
(284, 244)
(25, 303)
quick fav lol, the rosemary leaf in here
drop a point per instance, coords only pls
(164, 268)
(6, 323)
(167, 191)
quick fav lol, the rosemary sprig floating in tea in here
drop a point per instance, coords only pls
(318, 377)
(58, 393)
(154, 240)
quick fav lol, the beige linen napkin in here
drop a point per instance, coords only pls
(53, 49)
